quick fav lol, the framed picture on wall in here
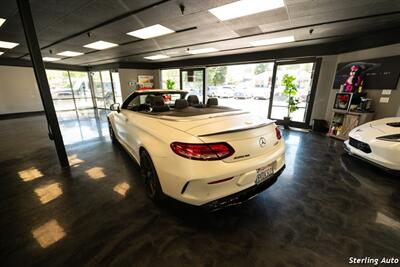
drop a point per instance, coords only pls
(343, 101)
(145, 82)
(377, 73)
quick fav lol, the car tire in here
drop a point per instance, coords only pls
(151, 181)
(112, 134)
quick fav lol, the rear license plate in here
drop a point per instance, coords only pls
(264, 174)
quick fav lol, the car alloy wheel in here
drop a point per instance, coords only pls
(152, 184)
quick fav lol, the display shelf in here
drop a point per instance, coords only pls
(345, 121)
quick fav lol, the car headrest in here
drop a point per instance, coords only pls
(157, 101)
(148, 99)
(212, 101)
(181, 104)
(193, 100)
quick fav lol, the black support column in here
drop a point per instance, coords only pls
(41, 78)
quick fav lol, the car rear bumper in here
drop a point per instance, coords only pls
(196, 182)
(244, 195)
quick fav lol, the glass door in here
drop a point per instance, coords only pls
(304, 74)
(193, 81)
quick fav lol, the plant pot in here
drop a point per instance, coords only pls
(286, 122)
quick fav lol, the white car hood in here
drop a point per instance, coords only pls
(383, 127)
(374, 129)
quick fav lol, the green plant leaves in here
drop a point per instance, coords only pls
(290, 91)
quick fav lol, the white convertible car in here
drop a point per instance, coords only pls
(199, 154)
(377, 142)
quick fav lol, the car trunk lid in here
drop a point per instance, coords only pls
(249, 135)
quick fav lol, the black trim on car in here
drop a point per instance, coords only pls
(243, 195)
(364, 147)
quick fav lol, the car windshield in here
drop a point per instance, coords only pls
(140, 99)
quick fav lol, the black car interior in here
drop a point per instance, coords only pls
(155, 103)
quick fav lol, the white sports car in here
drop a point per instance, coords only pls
(377, 142)
(199, 154)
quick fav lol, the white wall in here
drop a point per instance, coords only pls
(382, 110)
(18, 90)
(130, 75)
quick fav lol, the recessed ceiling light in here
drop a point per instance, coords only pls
(7, 45)
(244, 8)
(50, 59)
(156, 57)
(1, 53)
(150, 32)
(202, 51)
(2, 21)
(272, 41)
(70, 54)
(100, 45)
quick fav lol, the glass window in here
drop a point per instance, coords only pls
(117, 87)
(108, 88)
(172, 76)
(60, 87)
(63, 104)
(304, 75)
(81, 89)
(98, 88)
(192, 81)
(245, 86)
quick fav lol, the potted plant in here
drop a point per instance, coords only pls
(170, 84)
(290, 91)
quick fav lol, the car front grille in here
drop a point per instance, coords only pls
(360, 145)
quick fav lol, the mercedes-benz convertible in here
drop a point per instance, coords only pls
(201, 154)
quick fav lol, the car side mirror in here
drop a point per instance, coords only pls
(115, 107)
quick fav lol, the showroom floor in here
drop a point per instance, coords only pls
(325, 208)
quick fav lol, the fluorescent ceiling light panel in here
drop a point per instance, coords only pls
(50, 59)
(2, 21)
(7, 45)
(1, 53)
(70, 54)
(202, 51)
(244, 8)
(156, 57)
(100, 45)
(150, 32)
(272, 41)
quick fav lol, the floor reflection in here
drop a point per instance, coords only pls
(48, 234)
(30, 174)
(121, 188)
(83, 125)
(74, 161)
(96, 173)
(47, 193)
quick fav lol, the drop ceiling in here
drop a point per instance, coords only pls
(68, 25)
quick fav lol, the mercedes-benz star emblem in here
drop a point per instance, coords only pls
(262, 142)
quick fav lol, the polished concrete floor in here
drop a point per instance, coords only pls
(325, 208)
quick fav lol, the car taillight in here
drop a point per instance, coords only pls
(278, 133)
(212, 151)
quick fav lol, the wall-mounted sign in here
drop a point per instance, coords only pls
(377, 73)
(146, 81)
